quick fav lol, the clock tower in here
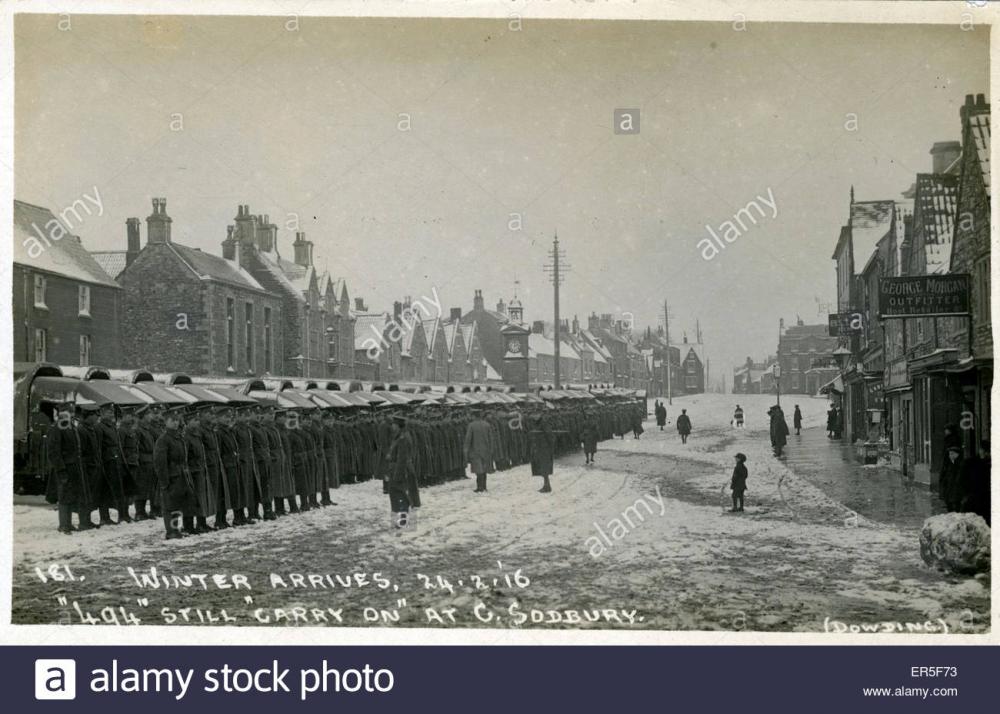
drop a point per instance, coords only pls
(515, 356)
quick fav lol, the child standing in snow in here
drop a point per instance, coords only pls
(739, 483)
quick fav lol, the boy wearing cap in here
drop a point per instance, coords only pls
(739, 483)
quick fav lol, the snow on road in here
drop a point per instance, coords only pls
(640, 538)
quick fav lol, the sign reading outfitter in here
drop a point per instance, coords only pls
(924, 296)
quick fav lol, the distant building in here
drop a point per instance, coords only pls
(800, 348)
(66, 308)
(190, 311)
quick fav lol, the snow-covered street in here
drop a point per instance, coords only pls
(639, 540)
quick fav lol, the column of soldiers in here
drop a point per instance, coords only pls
(237, 464)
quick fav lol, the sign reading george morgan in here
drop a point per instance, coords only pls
(924, 296)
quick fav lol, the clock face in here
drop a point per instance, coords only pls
(513, 346)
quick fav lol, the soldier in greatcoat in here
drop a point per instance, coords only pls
(217, 483)
(116, 483)
(281, 487)
(204, 503)
(330, 449)
(90, 452)
(542, 444)
(249, 478)
(404, 493)
(229, 455)
(262, 462)
(172, 477)
(478, 449)
(72, 490)
(316, 430)
(146, 433)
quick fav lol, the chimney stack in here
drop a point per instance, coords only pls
(944, 153)
(158, 222)
(456, 314)
(132, 242)
(359, 305)
(246, 225)
(303, 250)
(538, 327)
(397, 310)
(229, 244)
(477, 301)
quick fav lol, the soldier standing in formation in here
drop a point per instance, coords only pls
(190, 463)
(172, 477)
(68, 484)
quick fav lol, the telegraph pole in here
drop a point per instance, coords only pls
(666, 328)
(557, 270)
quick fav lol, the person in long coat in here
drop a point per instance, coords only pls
(950, 478)
(779, 429)
(229, 456)
(72, 490)
(172, 478)
(541, 442)
(217, 483)
(146, 432)
(797, 420)
(661, 415)
(90, 456)
(404, 493)
(588, 436)
(203, 504)
(684, 426)
(478, 449)
(116, 485)
(250, 486)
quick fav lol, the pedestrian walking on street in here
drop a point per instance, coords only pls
(797, 420)
(738, 417)
(779, 429)
(684, 425)
(661, 415)
(478, 449)
(739, 483)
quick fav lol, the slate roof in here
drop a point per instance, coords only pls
(450, 331)
(934, 211)
(65, 256)
(870, 221)
(468, 331)
(363, 328)
(213, 267)
(111, 261)
(979, 127)
(684, 348)
(431, 332)
(276, 267)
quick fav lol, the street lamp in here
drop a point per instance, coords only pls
(777, 381)
(842, 354)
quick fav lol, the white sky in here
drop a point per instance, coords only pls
(305, 122)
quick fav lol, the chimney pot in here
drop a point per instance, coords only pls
(980, 100)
